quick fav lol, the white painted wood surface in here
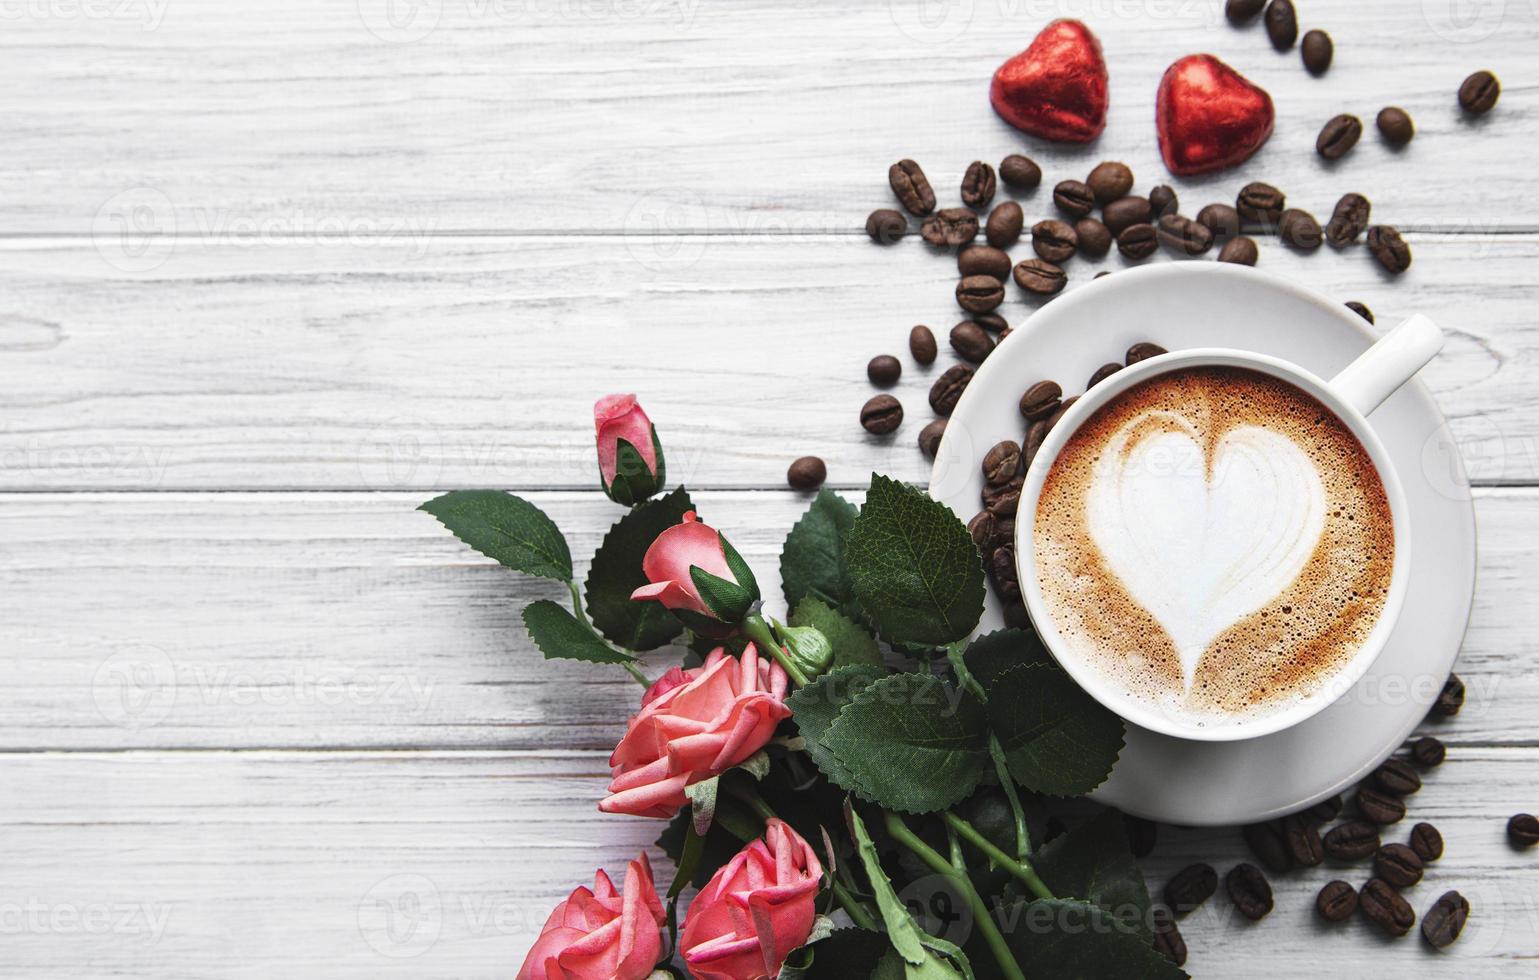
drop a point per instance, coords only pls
(272, 273)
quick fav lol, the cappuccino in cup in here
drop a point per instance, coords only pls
(1215, 542)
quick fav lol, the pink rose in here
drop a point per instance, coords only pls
(755, 910)
(630, 457)
(601, 934)
(694, 724)
(694, 572)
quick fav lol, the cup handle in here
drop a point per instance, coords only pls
(1380, 370)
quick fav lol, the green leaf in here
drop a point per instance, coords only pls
(1094, 862)
(728, 601)
(702, 801)
(616, 573)
(911, 743)
(507, 528)
(904, 933)
(992, 654)
(1057, 739)
(1077, 941)
(812, 560)
(914, 567)
(633, 482)
(560, 636)
(852, 644)
(815, 707)
(741, 573)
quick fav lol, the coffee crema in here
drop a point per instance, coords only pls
(1215, 541)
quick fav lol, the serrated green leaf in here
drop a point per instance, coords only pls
(510, 529)
(992, 654)
(852, 644)
(1057, 739)
(1076, 940)
(914, 567)
(904, 933)
(616, 573)
(560, 636)
(1094, 862)
(815, 707)
(911, 743)
(812, 560)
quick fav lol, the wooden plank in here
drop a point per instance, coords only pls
(475, 362)
(311, 621)
(222, 119)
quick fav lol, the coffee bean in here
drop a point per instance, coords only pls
(1240, 251)
(1125, 212)
(1095, 240)
(1261, 203)
(1167, 938)
(1391, 251)
(1016, 616)
(1445, 920)
(1523, 830)
(1163, 201)
(1141, 834)
(1002, 574)
(1102, 373)
(1303, 841)
(1427, 751)
(1379, 807)
(1054, 240)
(1002, 463)
(1109, 181)
(1190, 887)
(1451, 698)
(1300, 229)
(947, 389)
(1058, 413)
(1249, 890)
(1221, 219)
(1020, 172)
(1398, 865)
(1040, 277)
(1142, 352)
(881, 415)
(884, 370)
(921, 344)
(1241, 11)
(983, 260)
(807, 473)
(983, 527)
(1182, 235)
(1360, 310)
(886, 226)
(1351, 841)
(1003, 229)
(1338, 136)
(1385, 908)
(1327, 809)
(1138, 241)
(1265, 840)
(1395, 125)
(950, 227)
(930, 437)
(1040, 400)
(970, 341)
(912, 187)
(1396, 777)
(979, 294)
(1479, 92)
(978, 185)
(1036, 432)
(1336, 901)
(1426, 842)
(1348, 220)
(1074, 198)
(1317, 50)
(1282, 24)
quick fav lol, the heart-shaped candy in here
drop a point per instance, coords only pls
(1057, 87)
(1209, 116)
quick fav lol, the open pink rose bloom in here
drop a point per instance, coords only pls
(601, 934)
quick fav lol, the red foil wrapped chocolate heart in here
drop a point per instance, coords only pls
(1209, 116)
(1057, 87)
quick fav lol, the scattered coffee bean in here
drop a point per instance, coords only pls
(1249, 890)
(1427, 751)
(1002, 335)
(1523, 830)
(983, 260)
(1338, 136)
(1348, 220)
(1002, 463)
(1142, 351)
(1445, 920)
(1221, 219)
(1002, 499)
(1058, 413)
(807, 473)
(1360, 310)
(1109, 181)
(1385, 908)
(1391, 251)
(921, 344)
(1102, 373)
(1300, 229)
(1351, 841)
(1479, 92)
(1317, 51)
(1054, 240)
(1036, 432)
(884, 370)
(1182, 235)
(1302, 840)
(978, 185)
(881, 415)
(912, 187)
(1261, 203)
(1040, 400)
(1002, 573)
(1397, 777)
(1265, 840)
(979, 294)
(1336, 901)
(1282, 24)
(1427, 842)
(1167, 938)
(993, 321)
(1379, 807)
(1074, 198)
(1003, 229)
(983, 528)
(970, 341)
(1398, 865)
(1190, 887)
(1141, 834)
(947, 389)
(1326, 810)
(886, 226)
(1095, 240)
(1040, 277)
(1125, 212)
(1395, 125)
(950, 227)
(1020, 172)
(1241, 11)
(930, 437)
(1451, 698)
(1240, 251)
(1138, 241)
(1163, 201)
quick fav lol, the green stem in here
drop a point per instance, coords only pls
(1007, 783)
(582, 617)
(759, 631)
(982, 918)
(1020, 869)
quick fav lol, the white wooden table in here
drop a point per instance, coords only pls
(273, 273)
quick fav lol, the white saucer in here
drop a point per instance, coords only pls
(1211, 304)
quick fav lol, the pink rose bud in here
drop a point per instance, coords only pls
(755, 910)
(601, 934)
(630, 457)
(698, 575)
(695, 724)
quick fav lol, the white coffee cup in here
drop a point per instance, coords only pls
(1352, 395)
